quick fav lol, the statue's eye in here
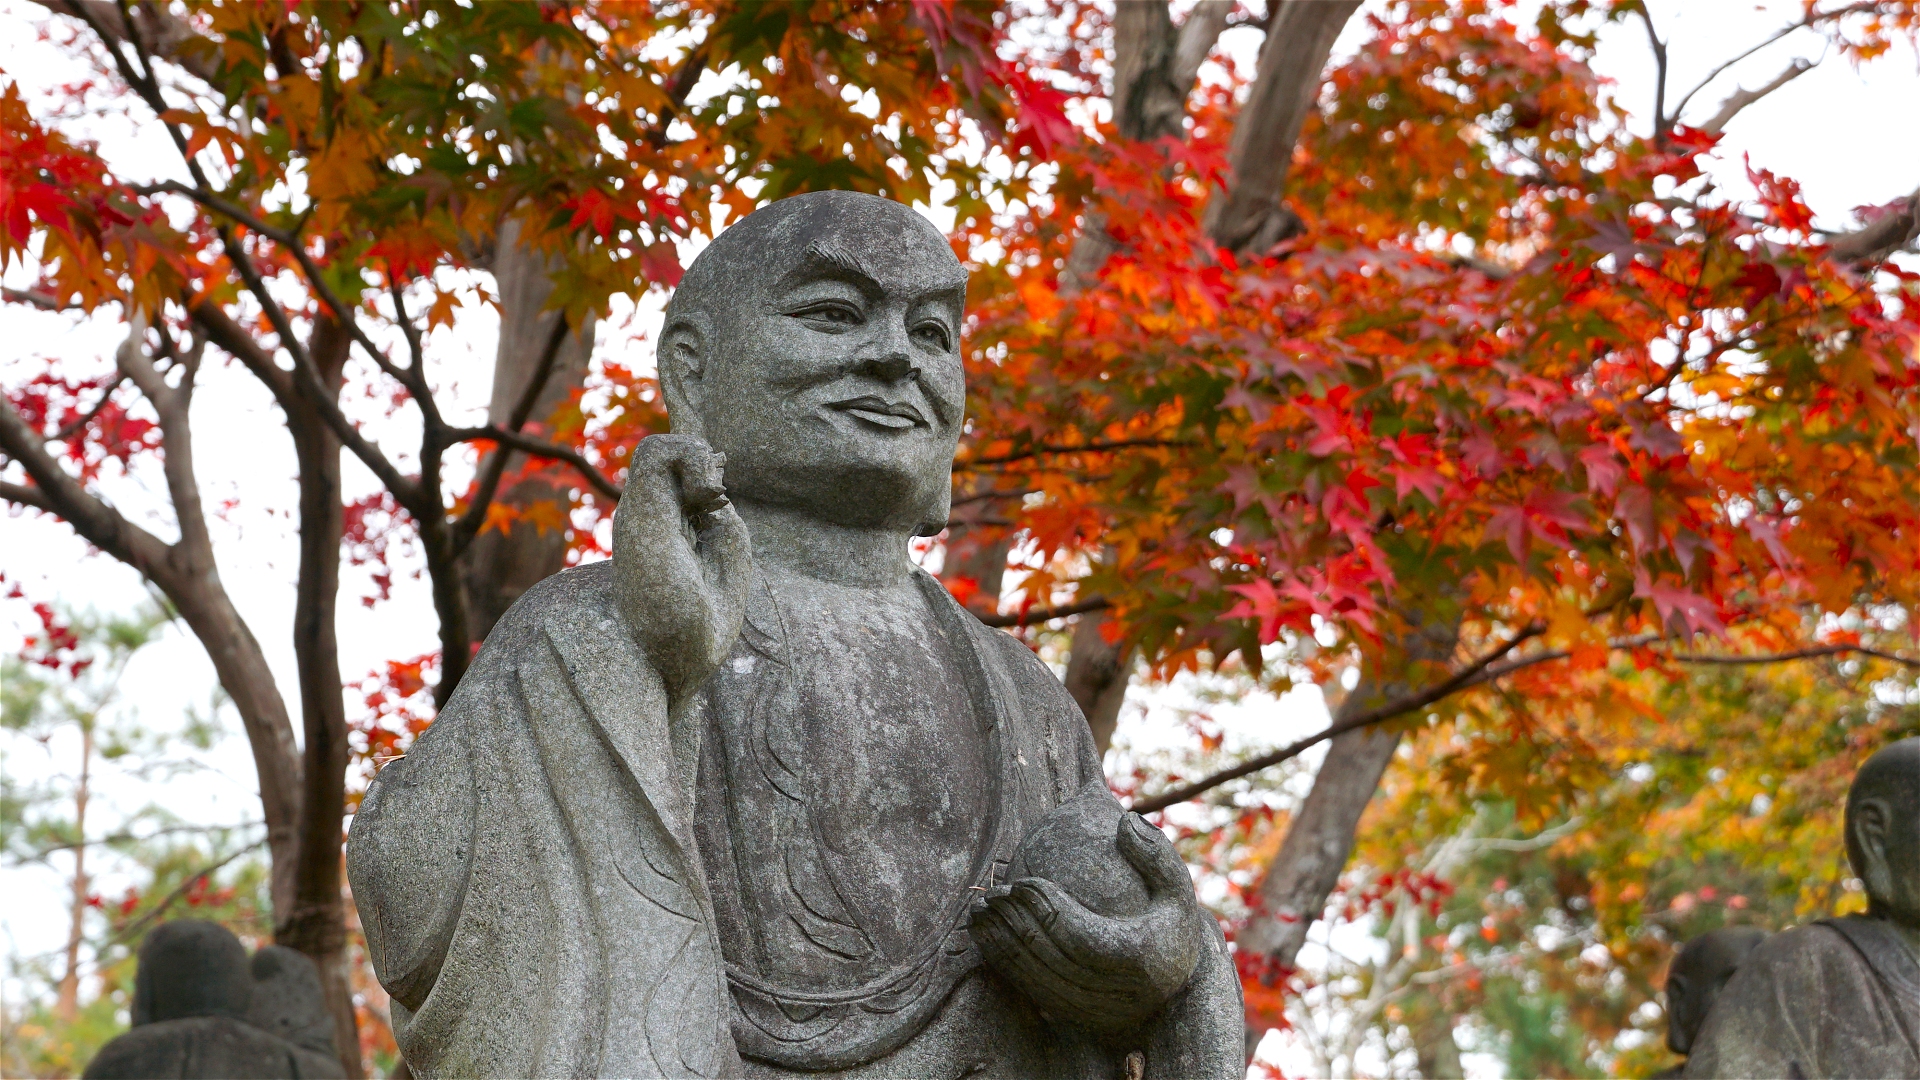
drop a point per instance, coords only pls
(933, 334)
(832, 313)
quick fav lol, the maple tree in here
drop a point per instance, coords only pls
(341, 173)
(1496, 392)
(1425, 365)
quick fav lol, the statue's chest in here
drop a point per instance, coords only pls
(895, 745)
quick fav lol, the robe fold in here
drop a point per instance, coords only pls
(534, 894)
(1837, 998)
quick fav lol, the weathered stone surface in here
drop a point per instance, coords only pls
(1840, 997)
(745, 800)
(1698, 973)
(198, 1012)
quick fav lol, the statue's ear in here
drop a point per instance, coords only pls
(1872, 824)
(686, 344)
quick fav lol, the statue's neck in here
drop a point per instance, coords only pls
(792, 541)
(1908, 934)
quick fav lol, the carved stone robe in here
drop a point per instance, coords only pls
(533, 876)
(1838, 998)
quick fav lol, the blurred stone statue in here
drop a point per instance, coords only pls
(757, 797)
(1839, 997)
(1698, 972)
(199, 1013)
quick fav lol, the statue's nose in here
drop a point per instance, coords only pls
(890, 368)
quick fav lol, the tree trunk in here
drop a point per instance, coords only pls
(1154, 66)
(67, 1006)
(502, 564)
(1251, 216)
(316, 923)
(1098, 671)
(1293, 891)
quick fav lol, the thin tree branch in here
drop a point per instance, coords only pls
(1811, 19)
(60, 494)
(1660, 122)
(1881, 237)
(598, 480)
(106, 398)
(469, 524)
(133, 928)
(127, 837)
(25, 496)
(1740, 98)
(1811, 652)
(170, 404)
(1087, 448)
(43, 301)
(221, 206)
(1487, 671)
(1045, 614)
(1392, 709)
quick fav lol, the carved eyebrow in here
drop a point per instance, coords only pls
(823, 258)
(825, 253)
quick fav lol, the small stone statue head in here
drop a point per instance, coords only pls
(1699, 970)
(816, 344)
(1883, 832)
(191, 968)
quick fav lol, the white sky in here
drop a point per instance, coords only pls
(1846, 135)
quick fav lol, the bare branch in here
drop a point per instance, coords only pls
(221, 206)
(1085, 448)
(596, 479)
(166, 31)
(1811, 652)
(469, 524)
(1812, 18)
(1484, 671)
(171, 406)
(25, 496)
(43, 301)
(1881, 237)
(1464, 677)
(60, 494)
(1660, 121)
(1046, 614)
(106, 398)
(1740, 99)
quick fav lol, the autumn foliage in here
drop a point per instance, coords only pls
(1517, 370)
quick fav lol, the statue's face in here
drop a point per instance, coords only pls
(835, 385)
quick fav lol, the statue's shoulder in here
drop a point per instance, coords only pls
(1031, 675)
(562, 599)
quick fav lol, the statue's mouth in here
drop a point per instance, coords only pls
(892, 415)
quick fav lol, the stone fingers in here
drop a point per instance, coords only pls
(1153, 855)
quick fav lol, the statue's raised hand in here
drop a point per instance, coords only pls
(1098, 937)
(681, 559)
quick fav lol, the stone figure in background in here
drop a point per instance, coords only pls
(757, 797)
(1840, 997)
(198, 1013)
(1695, 977)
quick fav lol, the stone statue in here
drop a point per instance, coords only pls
(1698, 972)
(199, 1013)
(757, 797)
(1839, 997)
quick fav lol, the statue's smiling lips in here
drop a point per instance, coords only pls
(892, 415)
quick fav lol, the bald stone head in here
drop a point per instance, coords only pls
(816, 343)
(1883, 832)
(191, 968)
(1694, 979)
